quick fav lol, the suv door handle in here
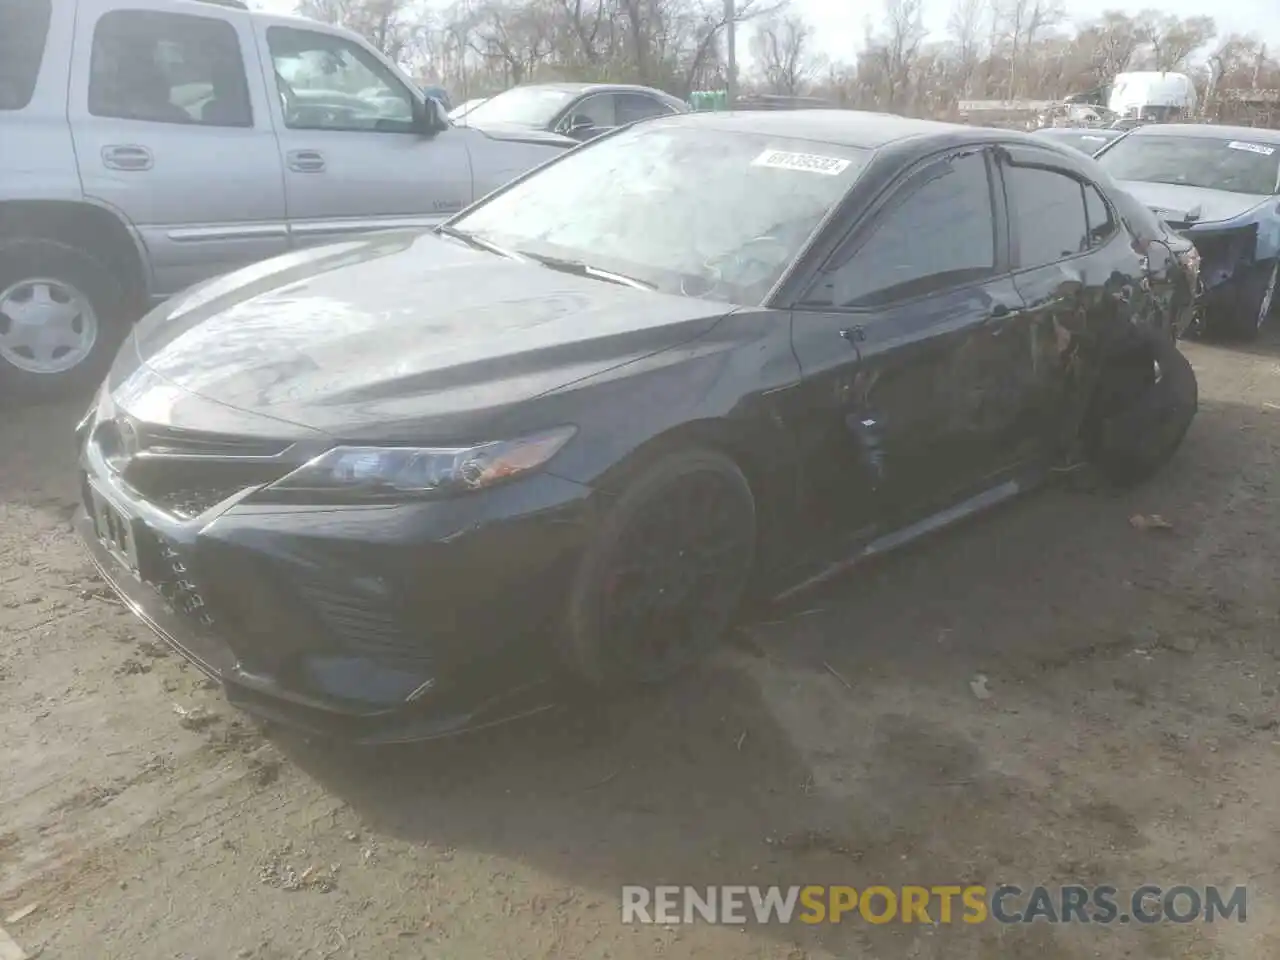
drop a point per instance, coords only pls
(306, 161)
(128, 157)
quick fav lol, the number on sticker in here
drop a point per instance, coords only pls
(1251, 147)
(809, 162)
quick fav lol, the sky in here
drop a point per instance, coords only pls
(839, 24)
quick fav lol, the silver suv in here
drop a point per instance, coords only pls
(151, 144)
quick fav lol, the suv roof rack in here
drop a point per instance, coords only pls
(234, 4)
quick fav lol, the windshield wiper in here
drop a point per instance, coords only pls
(581, 269)
(471, 240)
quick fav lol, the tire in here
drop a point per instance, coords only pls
(1254, 303)
(687, 502)
(1137, 419)
(86, 303)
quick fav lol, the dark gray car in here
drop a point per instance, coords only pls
(578, 110)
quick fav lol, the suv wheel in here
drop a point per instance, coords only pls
(62, 315)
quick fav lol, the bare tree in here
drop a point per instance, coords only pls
(891, 55)
(781, 48)
(390, 25)
(1173, 40)
(965, 27)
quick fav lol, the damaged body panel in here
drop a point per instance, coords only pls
(1217, 186)
(431, 463)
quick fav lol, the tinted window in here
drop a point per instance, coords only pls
(940, 234)
(637, 106)
(690, 209)
(599, 109)
(328, 83)
(1047, 208)
(1239, 166)
(22, 39)
(1101, 224)
(168, 68)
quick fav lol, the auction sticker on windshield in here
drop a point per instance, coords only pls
(808, 162)
(1251, 147)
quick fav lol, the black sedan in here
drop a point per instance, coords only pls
(413, 483)
(1085, 139)
(581, 111)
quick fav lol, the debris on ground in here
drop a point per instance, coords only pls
(276, 872)
(979, 687)
(152, 648)
(22, 912)
(194, 718)
(132, 667)
(1149, 522)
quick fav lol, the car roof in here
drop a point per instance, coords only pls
(570, 86)
(849, 128)
(1253, 134)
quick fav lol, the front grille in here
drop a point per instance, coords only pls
(186, 473)
(170, 442)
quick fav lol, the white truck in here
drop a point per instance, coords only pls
(1152, 95)
(146, 145)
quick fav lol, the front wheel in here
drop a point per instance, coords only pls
(662, 579)
(1142, 408)
(62, 314)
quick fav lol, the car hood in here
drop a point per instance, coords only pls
(1177, 203)
(515, 132)
(399, 331)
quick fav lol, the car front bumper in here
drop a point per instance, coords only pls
(371, 624)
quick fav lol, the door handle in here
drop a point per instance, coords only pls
(1002, 311)
(127, 157)
(306, 161)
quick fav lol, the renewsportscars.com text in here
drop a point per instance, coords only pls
(946, 904)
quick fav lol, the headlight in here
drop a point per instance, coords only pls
(392, 472)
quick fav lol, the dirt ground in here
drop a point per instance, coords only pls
(1131, 734)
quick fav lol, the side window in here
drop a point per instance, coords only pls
(1102, 226)
(1048, 209)
(329, 83)
(599, 109)
(22, 40)
(940, 235)
(637, 106)
(168, 68)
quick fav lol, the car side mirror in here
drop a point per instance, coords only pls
(579, 124)
(431, 117)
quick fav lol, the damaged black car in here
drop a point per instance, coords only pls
(412, 484)
(1217, 186)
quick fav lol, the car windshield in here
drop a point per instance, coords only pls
(684, 209)
(524, 106)
(1237, 166)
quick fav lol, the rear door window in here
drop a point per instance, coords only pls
(24, 30)
(638, 106)
(164, 67)
(1047, 208)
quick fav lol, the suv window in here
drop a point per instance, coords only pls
(942, 234)
(1102, 225)
(1047, 208)
(638, 106)
(168, 68)
(329, 83)
(26, 27)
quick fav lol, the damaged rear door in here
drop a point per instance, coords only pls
(1077, 270)
(907, 339)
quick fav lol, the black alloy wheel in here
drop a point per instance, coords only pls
(658, 588)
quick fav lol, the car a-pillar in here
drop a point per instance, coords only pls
(72, 281)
